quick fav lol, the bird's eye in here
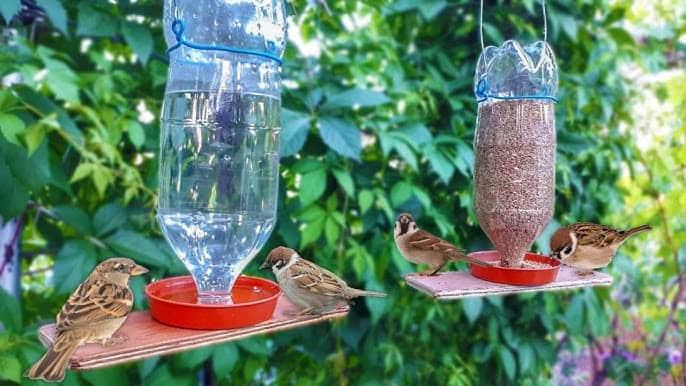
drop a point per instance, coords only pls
(567, 250)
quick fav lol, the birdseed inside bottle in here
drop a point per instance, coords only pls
(514, 173)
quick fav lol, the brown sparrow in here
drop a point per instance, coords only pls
(419, 246)
(309, 286)
(589, 246)
(93, 313)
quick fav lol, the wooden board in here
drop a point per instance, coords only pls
(147, 337)
(461, 284)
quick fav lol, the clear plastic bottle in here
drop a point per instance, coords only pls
(219, 145)
(514, 145)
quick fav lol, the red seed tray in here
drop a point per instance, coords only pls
(461, 284)
(147, 338)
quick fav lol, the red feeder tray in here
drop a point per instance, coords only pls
(173, 302)
(515, 275)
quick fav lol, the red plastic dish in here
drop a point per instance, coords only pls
(173, 302)
(515, 276)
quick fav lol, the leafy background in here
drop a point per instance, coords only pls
(378, 118)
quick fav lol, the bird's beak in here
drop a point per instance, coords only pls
(138, 270)
(264, 265)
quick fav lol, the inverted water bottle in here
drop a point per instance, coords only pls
(219, 144)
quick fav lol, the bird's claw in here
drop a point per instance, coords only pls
(114, 340)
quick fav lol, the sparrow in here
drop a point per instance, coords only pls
(312, 288)
(588, 246)
(419, 246)
(93, 313)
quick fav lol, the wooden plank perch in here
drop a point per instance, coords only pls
(147, 337)
(461, 284)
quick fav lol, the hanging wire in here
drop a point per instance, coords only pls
(481, 23)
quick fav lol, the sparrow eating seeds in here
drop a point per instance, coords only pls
(93, 313)
(420, 246)
(311, 287)
(588, 246)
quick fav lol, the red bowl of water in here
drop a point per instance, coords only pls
(524, 276)
(173, 301)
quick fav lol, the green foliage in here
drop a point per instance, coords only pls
(380, 122)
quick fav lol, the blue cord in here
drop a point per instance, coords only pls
(481, 94)
(178, 27)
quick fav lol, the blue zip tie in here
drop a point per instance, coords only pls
(481, 94)
(178, 27)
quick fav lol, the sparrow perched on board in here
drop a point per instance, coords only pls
(419, 246)
(311, 287)
(588, 246)
(93, 313)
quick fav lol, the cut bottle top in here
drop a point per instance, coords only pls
(513, 71)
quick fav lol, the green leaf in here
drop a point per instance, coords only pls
(61, 80)
(10, 311)
(34, 137)
(111, 376)
(11, 125)
(9, 8)
(108, 217)
(82, 171)
(365, 199)
(341, 136)
(430, 8)
(313, 230)
(102, 177)
(295, 127)
(526, 357)
(472, 308)
(224, 359)
(13, 194)
(162, 376)
(73, 263)
(570, 26)
(441, 165)
(138, 37)
(75, 217)
(10, 367)
(508, 362)
(135, 132)
(256, 345)
(191, 359)
(312, 186)
(55, 12)
(331, 230)
(621, 36)
(138, 247)
(356, 97)
(345, 180)
(574, 315)
(401, 192)
(94, 22)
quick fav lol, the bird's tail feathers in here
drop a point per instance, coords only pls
(460, 256)
(638, 229)
(374, 294)
(53, 364)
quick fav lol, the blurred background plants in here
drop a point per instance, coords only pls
(378, 118)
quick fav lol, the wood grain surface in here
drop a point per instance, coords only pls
(146, 337)
(461, 284)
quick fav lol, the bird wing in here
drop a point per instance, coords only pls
(425, 241)
(307, 275)
(593, 234)
(94, 301)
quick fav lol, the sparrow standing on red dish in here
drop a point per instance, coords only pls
(419, 246)
(309, 286)
(589, 246)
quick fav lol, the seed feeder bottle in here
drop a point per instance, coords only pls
(219, 155)
(514, 144)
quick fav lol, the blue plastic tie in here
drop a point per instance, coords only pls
(482, 95)
(178, 27)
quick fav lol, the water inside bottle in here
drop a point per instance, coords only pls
(218, 183)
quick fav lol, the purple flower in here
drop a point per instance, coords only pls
(628, 355)
(674, 356)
